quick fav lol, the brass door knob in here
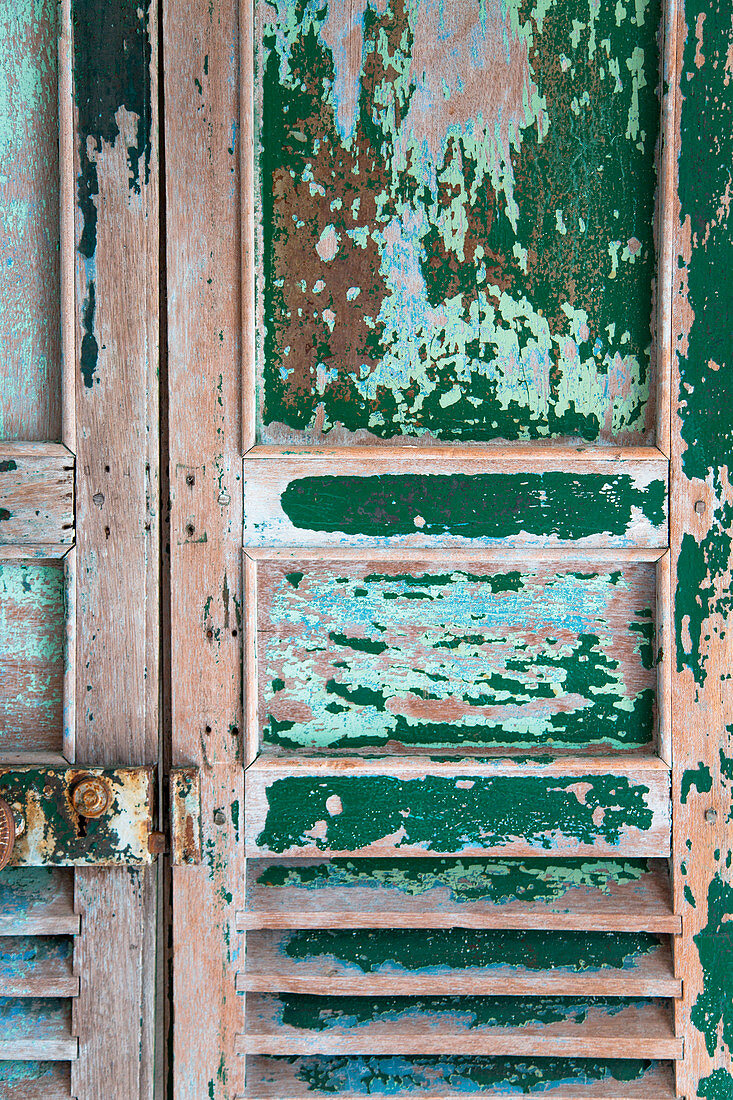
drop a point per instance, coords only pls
(7, 832)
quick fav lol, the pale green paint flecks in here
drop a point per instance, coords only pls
(429, 215)
(499, 658)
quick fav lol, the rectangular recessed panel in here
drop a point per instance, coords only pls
(404, 654)
(31, 655)
(613, 894)
(305, 806)
(455, 210)
(427, 500)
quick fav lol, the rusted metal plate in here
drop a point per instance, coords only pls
(185, 811)
(54, 833)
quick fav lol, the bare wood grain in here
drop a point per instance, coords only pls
(36, 494)
(205, 407)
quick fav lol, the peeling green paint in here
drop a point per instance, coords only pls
(439, 813)
(699, 778)
(308, 1013)
(31, 654)
(384, 1076)
(495, 880)
(475, 255)
(112, 66)
(461, 948)
(474, 506)
(497, 658)
(30, 387)
(712, 1012)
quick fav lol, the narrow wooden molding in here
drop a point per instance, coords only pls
(67, 226)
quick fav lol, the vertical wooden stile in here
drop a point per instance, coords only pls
(114, 342)
(204, 271)
(702, 542)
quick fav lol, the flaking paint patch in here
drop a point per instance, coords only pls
(308, 1013)
(438, 813)
(461, 881)
(474, 506)
(451, 202)
(460, 949)
(498, 658)
(380, 1076)
(112, 62)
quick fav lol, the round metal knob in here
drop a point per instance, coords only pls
(7, 832)
(91, 797)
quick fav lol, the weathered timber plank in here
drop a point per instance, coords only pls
(202, 60)
(36, 1030)
(702, 539)
(37, 966)
(435, 261)
(30, 372)
(35, 1081)
(37, 901)
(550, 1027)
(458, 961)
(615, 895)
(36, 494)
(426, 499)
(31, 655)
(448, 655)
(304, 806)
(455, 1078)
(115, 418)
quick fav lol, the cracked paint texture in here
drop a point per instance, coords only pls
(703, 602)
(466, 193)
(363, 656)
(30, 387)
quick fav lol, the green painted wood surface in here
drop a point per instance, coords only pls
(354, 655)
(463, 881)
(449, 1076)
(31, 655)
(383, 814)
(30, 352)
(456, 219)
(322, 1014)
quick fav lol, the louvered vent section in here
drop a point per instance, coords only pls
(449, 910)
(37, 926)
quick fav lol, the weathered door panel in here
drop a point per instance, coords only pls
(456, 294)
(78, 548)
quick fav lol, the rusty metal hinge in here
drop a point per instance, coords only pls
(185, 815)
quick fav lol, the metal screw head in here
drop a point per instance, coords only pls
(224, 497)
(190, 479)
(711, 816)
(190, 529)
(91, 797)
(220, 818)
(699, 506)
(7, 832)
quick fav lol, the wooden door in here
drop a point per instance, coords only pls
(412, 534)
(430, 272)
